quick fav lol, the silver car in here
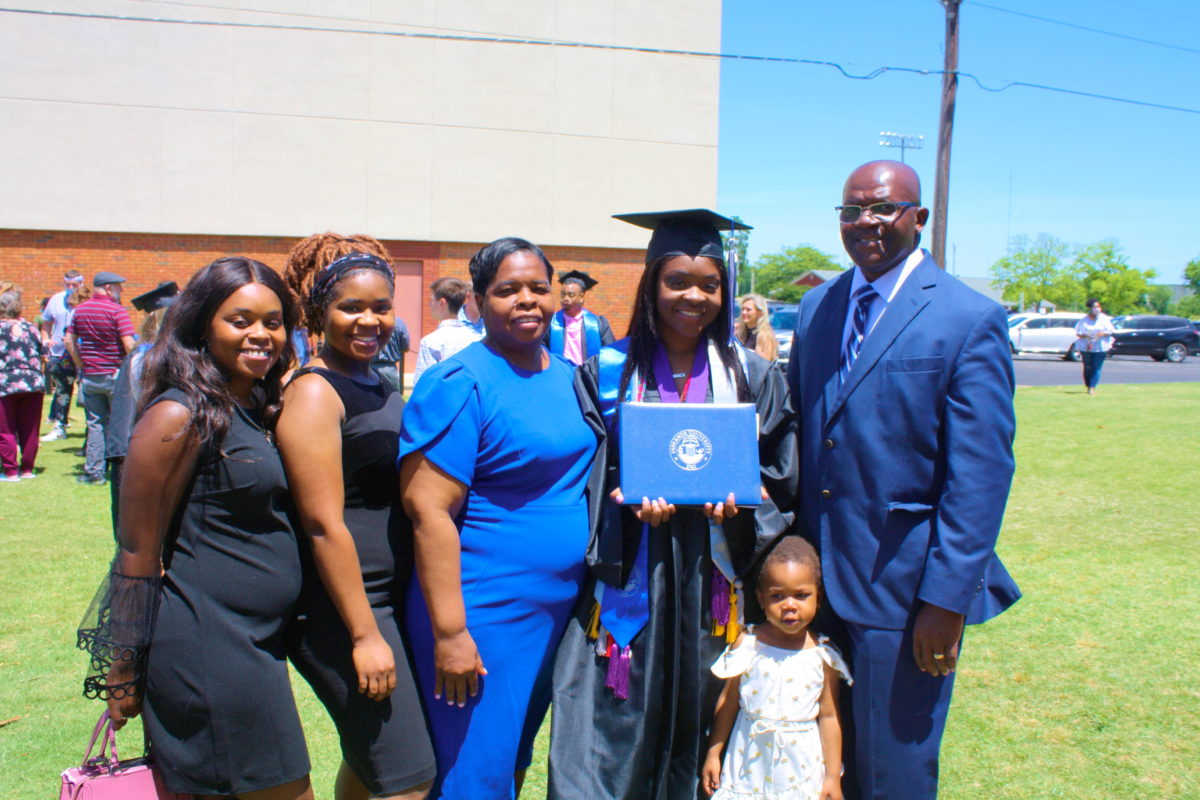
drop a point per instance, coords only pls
(1044, 333)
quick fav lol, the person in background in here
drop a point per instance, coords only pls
(60, 371)
(1095, 332)
(189, 626)
(22, 387)
(128, 389)
(448, 296)
(633, 690)
(389, 361)
(338, 438)
(469, 315)
(575, 333)
(98, 337)
(496, 456)
(309, 256)
(753, 327)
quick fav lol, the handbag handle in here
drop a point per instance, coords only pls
(109, 743)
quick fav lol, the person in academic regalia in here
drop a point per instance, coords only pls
(633, 695)
(128, 388)
(575, 333)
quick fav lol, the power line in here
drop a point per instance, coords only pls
(875, 73)
(1086, 28)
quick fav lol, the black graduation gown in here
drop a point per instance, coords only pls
(651, 746)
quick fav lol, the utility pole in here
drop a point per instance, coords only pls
(941, 192)
(902, 140)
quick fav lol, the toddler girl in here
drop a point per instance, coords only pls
(781, 686)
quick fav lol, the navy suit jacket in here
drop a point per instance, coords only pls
(905, 469)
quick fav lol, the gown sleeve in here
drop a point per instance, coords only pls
(778, 457)
(444, 421)
(613, 542)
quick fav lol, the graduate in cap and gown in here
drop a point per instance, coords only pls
(127, 389)
(575, 333)
(633, 691)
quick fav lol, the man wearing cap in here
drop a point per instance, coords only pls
(903, 383)
(574, 332)
(98, 337)
(55, 317)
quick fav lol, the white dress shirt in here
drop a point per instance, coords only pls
(886, 287)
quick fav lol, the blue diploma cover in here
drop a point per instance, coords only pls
(689, 453)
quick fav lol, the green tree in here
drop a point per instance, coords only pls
(774, 272)
(1188, 307)
(1035, 270)
(1191, 274)
(1105, 273)
(1160, 299)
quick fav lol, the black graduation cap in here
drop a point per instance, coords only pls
(159, 297)
(579, 275)
(693, 232)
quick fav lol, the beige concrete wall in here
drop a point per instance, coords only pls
(148, 126)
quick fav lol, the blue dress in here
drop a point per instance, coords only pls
(519, 441)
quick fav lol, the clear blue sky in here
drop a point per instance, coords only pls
(1081, 169)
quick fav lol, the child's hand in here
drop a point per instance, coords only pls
(832, 788)
(710, 776)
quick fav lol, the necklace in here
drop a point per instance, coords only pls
(678, 375)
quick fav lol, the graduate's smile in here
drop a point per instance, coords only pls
(689, 296)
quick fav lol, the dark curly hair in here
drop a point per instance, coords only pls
(180, 358)
(643, 330)
(312, 254)
(791, 549)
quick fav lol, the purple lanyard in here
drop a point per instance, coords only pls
(667, 392)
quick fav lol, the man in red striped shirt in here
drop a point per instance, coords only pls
(98, 337)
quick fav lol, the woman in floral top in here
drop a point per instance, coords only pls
(22, 386)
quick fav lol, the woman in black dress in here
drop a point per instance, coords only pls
(339, 438)
(190, 625)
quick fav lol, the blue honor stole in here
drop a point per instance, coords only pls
(624, 611)
(591, 335)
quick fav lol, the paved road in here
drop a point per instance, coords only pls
(1039, 370)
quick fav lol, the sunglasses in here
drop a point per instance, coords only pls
(880, 211)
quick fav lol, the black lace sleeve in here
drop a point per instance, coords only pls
(116, 633)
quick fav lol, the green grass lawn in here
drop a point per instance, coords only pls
(1087, 688)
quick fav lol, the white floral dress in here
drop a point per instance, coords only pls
(774, 752)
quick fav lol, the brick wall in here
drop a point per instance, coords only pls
(36, 261)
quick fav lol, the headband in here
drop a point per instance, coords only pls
(327, 278)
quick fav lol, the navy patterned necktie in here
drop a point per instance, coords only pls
(861, 299)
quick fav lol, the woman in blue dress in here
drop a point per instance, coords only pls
(495, 460)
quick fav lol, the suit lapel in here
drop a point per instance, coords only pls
(900, 312)
(825, 332)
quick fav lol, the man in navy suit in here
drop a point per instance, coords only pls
(903, 383)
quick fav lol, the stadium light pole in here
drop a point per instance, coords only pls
(902, 140)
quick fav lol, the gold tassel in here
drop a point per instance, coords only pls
(593, 626)
(732, 629)
(718, 629)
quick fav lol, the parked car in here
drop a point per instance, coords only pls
(1044, 333)
(783, 322)
(1162, 338)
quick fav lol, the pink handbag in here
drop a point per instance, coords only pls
(106, 777)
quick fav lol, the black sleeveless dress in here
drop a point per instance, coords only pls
(219, 708)
(385, 743)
